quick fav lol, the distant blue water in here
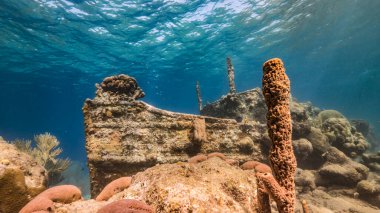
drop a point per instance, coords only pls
(54, 51)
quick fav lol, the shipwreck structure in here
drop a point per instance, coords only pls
(125, 135)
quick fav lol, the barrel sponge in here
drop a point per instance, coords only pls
(126, 206)
(276, 91)
(114, 187)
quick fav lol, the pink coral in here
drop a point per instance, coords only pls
(127, 206)
(198, 158)
(44, 201)
(217, 154)
(257, 166)
(232, 162)
(249, 165)
(263, 168)
(62, 194)
(39, 203)
(114, 187)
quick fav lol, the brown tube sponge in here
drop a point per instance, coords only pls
(114, 187)
(278, 193)
(263, 200)
(276, 90)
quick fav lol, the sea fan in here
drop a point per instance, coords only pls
(46, 152)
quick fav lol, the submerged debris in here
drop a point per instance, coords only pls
(198, 90)
(231, 75)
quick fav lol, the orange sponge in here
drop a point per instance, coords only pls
(198, 158)
(276, 91)
(217, 154)
(114, 187)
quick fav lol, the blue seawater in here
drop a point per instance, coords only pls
(52, 52)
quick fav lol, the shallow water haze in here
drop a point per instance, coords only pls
(54, 51)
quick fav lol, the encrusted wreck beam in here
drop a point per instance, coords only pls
(231, 76)
(198, 90)
(125, 135)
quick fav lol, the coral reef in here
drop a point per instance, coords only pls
(276, 90)
(372, 160)
(305, 180)
(343, 136)
(302, 148)
(369, 190)
(245, 105)
(21, 178)
(125, 136)
(341, 170)
(208, 186)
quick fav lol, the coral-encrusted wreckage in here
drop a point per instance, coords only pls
(125, 135)
(254, 151)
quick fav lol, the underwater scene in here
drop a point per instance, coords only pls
(121, 106)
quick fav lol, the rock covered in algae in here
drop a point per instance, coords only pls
(341, 170)
(343, 136)
(372, 160)
(21, 178)
(209, 186)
